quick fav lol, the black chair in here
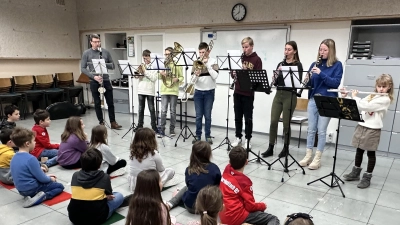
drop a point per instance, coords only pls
(66, 82)
(47, 84)
(7, 95)
(26, 86)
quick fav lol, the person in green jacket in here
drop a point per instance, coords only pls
(169, 92)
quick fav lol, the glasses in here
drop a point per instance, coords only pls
(96, 41)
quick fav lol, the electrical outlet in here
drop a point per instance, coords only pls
(330, 137)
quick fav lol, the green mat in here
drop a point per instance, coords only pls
(115, 217)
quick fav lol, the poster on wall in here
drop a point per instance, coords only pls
(131, 47)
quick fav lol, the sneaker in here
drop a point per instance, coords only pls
(161, 134)
(172, 133)
(196, 139)
(245, 144)
(237, 142)
(118, 172)
(35, 200)
(209, 140)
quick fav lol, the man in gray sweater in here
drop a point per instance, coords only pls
(96, 52)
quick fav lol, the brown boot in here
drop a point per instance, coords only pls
(115, 125)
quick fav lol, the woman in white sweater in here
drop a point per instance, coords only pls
(367, 134)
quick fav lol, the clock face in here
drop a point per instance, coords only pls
(238, 12)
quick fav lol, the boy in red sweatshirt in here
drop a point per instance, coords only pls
(43, 147)
(237, 190)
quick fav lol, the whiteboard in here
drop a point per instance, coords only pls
(269, 43)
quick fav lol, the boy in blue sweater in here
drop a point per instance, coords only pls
(29, 179)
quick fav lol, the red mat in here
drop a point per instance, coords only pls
(64, 196)
(8, 186)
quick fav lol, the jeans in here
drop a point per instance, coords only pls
(172, 100)
(316, 122)
(51, 190)
(243, 106)
(108, 95)
(115, 203)
(203, 103)
(281, 104)
(142, 106)
(262, 218)
(51, 154)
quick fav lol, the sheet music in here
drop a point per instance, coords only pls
(125, 67)
(99, 66)
(157, 61)
(235, 59)
(288, 81)
(190, 55)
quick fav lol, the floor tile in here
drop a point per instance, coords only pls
(8, 197)
(296, 195)
(344, 207)
(382, 216)
(281, 209)
(50, 219)
(323, 218)
(389, 199)
(14, 213)
(369, 195)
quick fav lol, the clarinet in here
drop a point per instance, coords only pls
(308, 77)
(235, 78)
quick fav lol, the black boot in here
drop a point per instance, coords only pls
(284, 152)
(269, 152)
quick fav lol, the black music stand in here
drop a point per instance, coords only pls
(157, 63)
(126, 69)
(222, 67)
(188, 58)
(340, 108)
(253, 80)
(294, 82)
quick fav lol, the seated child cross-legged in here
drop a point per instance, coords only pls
(73, 144)
(29, 179)
(6, 154)
(200, 173)
(43, 147)
(237, 190)
(144, 157)
(146, 205)
(112, 165)
(12, 113)
(93, 200)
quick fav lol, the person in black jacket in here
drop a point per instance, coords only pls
(12, 115)
(282, 100)
(92, 199)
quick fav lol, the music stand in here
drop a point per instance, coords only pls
(189, 56)
(99, 67)
(253, 80)
(222, 67)
(290, 82)
(157, 63)
(125, 68)
(340, 108)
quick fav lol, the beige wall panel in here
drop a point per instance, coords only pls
(39, 29)
(177, 13)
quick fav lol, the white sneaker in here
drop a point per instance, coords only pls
(118, 172)
(245, 144)
(35, 200)
(237, 142)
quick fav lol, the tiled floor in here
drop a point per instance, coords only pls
(378, 205)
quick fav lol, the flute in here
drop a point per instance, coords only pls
(360, 92)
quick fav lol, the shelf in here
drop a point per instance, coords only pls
(119, 48)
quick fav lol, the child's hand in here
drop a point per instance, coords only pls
(354, 93)
(344, 93)
(53, 179)
(110, 197)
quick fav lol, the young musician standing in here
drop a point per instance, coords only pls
(205, 92)
(96, 52)
(368, 133)
(282, 100)
(169, 95)
(145, 89)
(326, 75)
(243, 100)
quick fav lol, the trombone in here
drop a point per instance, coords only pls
(188, 89)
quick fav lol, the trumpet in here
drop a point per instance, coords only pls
(360, 92)
(198, 65)
(308, 77)
(170, 75)
(141, 69)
